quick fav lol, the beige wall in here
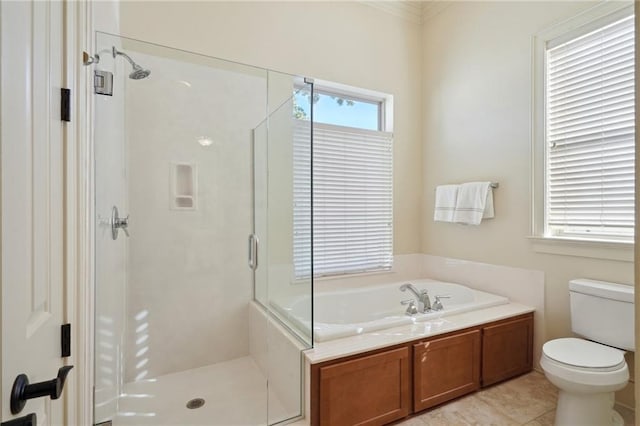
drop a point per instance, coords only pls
(477, 108)
(345, 42)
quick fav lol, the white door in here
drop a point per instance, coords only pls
(31, 185)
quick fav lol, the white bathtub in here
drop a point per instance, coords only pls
(354, 311)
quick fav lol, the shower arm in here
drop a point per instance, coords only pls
(95, 59)
(117, 52)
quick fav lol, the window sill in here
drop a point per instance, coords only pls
(609, 250)
(345, 276)
(355, 275)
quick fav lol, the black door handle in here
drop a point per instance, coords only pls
(28, 420)
(22, 390)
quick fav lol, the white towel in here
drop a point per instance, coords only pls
(446, 196)
(474, 202)
(488, 212)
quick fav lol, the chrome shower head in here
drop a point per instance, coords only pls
(138, 72)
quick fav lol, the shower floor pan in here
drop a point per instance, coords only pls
(234, 393)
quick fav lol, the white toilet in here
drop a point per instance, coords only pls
(588, 373)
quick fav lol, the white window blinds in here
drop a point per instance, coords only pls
(352, 200)
(590, 134)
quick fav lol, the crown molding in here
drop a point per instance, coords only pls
(417, 12)
(408, 10)
(432, 8)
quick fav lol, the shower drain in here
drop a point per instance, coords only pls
(195, 403)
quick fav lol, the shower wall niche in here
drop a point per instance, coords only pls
(189, 154)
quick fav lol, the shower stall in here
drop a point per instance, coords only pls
(194, 238)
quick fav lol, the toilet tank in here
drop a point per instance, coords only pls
(603, 312)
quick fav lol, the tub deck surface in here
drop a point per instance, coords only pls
(338, 348)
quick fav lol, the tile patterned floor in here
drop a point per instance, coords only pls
(526, 400)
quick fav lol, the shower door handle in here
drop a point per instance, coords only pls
(253, 251)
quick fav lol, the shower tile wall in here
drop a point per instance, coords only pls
(188, 283)
(278, 357)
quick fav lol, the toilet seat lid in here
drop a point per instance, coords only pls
(583, 353)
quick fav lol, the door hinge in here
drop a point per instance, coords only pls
(103, 82)
(65, 104)
(65, 340)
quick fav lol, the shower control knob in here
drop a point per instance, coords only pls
(118, 222)
(124, 225)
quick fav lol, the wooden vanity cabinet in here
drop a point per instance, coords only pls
(445, 368)
(385, 385)
(507, 349)
(370, 390)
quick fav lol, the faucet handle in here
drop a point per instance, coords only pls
(411, 309)
(437, 304)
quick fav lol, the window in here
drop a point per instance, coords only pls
(352, 185)
(589, 134)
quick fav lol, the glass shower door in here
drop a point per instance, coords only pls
(283, 287)
(179, 338)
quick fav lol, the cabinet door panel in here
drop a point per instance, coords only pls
(507, 350)
(445, 368)
(372, 390)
